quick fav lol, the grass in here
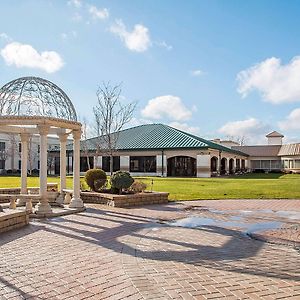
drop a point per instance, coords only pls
(14, 181)
(249, 186)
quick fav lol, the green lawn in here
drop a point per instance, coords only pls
(244, 186)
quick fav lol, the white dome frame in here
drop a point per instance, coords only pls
(28, 96)
(15, 118)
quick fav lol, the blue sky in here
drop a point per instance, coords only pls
(215, 68)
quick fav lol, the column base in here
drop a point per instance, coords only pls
(43, 208)
(21, 202)
(76, 203)
(60, 199)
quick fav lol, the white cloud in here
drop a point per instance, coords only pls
(292, 121)
(77, 17)
(168, 106)
(5, 37)
(197, 72)
(22, 55)
(98, 13)
(72, 34)
(163, 44)
(137, 40)
(75, 3)
(252, 129)
(276, 83)
(185, 127)
(138, 121)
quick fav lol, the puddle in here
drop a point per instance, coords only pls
(247, 227)
(293, 215)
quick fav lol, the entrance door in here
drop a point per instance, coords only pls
(182, 166)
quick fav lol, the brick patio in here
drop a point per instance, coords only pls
(115, 253)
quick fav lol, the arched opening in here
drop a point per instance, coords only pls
(231, 166)
(238, 165)
(184, 166)
(243, 165)
(223, 165)
(214, 164)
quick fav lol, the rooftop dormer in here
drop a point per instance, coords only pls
(274, 138)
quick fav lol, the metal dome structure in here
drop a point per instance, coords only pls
(34, 96)
(32, 106)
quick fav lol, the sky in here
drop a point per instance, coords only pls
(217, 69)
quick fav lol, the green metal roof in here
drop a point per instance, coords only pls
(158, 137)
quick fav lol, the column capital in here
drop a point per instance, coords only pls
(24, 137)
(76, 134)
(43, 129)
(63, 137)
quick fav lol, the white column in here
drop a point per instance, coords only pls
(24, 160)
(63, 166)
(219, 165)
(97, 162)
(63, 160)
(203, 165)
(76, 201)
(227, 165)
(43, 206)
(161, 165)
(124, 163)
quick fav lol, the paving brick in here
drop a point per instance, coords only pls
(115, 253)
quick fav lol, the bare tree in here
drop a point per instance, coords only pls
(241, 139)
(33, 153)
(13, 148)
(110, 118)
(3, 155)
(84, 142)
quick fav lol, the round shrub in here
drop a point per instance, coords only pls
(121, 180)
(138, 186)
(95, 179)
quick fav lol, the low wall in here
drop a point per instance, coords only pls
(5, 193)
(12, 219)
(12, 191)
(125, 200)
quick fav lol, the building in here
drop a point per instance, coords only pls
(160, 150)
(10, 153)
(274, 156)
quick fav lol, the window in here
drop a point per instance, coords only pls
(286, 164)
(255, 164)
(275, 164)
(297, 163)
(2, 146)
(143, 164)
(20, 165)
(243, 164)
(2, 164)
(106, 163)
(20, 147)
(238, 164)
(265, 164)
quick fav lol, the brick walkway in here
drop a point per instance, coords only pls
(108, 253)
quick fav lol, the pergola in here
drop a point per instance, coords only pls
(35, 106)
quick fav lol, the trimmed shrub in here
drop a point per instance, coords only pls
(95, 179)
(121, 180)
(138, 186)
